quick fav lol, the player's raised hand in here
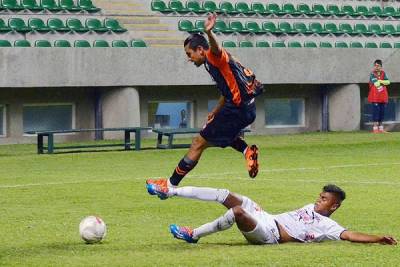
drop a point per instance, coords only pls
(210, 22)
(388, 240)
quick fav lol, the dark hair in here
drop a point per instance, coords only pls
(379, 62)
(336, 190)
(195, 40)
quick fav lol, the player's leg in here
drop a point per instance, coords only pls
(250, 153)
(381, 117)
(375, 117)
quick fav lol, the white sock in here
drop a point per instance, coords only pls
(169, 184)
(245, 150)
(222, 223)
(381, 127)
(200, 193)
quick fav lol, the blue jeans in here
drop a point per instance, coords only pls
(378, 112)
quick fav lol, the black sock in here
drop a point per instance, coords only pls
(184, 166)
(239, 144)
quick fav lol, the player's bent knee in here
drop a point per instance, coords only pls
(222, 195)
(239, 212)
(198, 143)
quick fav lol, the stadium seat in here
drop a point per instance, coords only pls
(259, 8)
(42, 43)
(320, 10)
(68, 5)
(5, 43)
(185, 25)
(100, 43)
(94, 24)
(160, 6)
(57, 24)
(228, 44)
(50, 5)
(38, 24)
(346, 28)
(325, 45)
(376, 11)
(285, 27)
(253, 27)
(75, 25)
(199, 25)
(11, 5)
(390, 11)
(210, 6)
(88, 6)
(18, 24)
(290, 9)
(335, 10)
(396, 45)
(62, 43)
(269, 26)
(237, 26)
(195, 7)
(341, 44)
(356, 44)
(300, 27)
(310, 44)
(389, 29)
(31, 5)
(227, 8)
(3, 26)
(317, 28)
(275, 9)
(363, 11)
(375, 29)
(262, 44)
(370, 45)
(361, 29)
(119, 43)
(245, 44)
(278, 44)
(138, 43)
(22, 43)
(177, 6)
(113, 25)
(220, 26)
(243, 7)
(81, 43)
(385, 45)
(294, 44)
(305, 9)
(332, 28)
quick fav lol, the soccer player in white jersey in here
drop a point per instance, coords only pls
(310, 223)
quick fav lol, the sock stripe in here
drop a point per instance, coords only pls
(179, 171)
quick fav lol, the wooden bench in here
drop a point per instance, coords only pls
(170, 133)
(50, 138)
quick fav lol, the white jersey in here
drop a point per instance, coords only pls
(307, 225)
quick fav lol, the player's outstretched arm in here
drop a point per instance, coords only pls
(212, 39)
(366, 238)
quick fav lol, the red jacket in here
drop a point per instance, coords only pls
(377, 94)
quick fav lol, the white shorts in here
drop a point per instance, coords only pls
(266, 231)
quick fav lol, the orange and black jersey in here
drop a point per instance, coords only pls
(236, 83)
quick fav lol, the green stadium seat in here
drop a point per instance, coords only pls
(300, 27)
(50, 5)
(278, 44)
(195, 7)
(253, 27)
(5, 43)
(62, 43)
(31, 5)
(199, 25)
(220, 26)
(18, 24)
(3, 26)
(22, 43)
(42, 43)
(185, 25)
(69, 5)
(325, 45)
(119, 43)
(310, 44)
(76, 25)
(269, 26)
(290, 9)
(138, 43)
(356, 44)
(113, 25)
(396, 45)
(294, 44)
(346, 28)
(237, 26)
(245, 44)
(370, 45)
(317, 28)
(389, 29)
(341, 44)
(398, 29)
(243, 7)
(385, 45)
(11, 5)
(227, 7)
(361, 29)
(375, 29)
(390, 11)
(262, 44)
(285, 27)
(210, 6)
(88, 6)
(57, 24)
(320, 10)
(305, 9)
(259, 8)
(349, 11)
(376, 11)
(94, 24)
(335, 10)
(81, 43)
(101, 43)
(332, 28)
(363, 11)
(228, 44)
(275, 9)
(160, 6)
(38, 24)
(177, 6)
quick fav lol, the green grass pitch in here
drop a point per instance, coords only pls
(44, 197)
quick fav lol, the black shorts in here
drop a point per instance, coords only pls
(227, 124)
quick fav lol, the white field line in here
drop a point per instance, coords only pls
(212, 176)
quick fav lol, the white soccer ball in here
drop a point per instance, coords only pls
(92, 229)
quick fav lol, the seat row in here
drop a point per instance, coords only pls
(76, 43)
(56, 24)
(309, 44)
(273, 8)
(50, 5)
(236, 26)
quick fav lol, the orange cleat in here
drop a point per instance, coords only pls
(157, 187)
(252, 162)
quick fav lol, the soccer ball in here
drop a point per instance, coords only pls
(92, 229)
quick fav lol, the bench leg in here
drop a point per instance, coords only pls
(159, 140)
(137, 140)
(170, 140)
(127, 139)
(40, 144)
(50, 144)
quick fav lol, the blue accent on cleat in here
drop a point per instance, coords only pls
(182, 233)
(155, 190)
